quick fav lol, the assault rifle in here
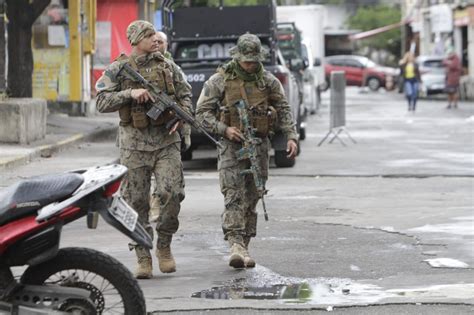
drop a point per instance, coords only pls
(249, 151)
(163, 103)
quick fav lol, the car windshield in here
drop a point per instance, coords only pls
(206, 53)
(433, 65)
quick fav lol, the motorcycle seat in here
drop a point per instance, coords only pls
(29, 195)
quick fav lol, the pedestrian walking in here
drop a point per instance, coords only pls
(243, 78)
(146, 146)
(453, 75)
(411, 78)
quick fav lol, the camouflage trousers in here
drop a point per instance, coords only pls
(239, 219)
(167, 168)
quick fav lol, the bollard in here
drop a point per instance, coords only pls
(337, 108)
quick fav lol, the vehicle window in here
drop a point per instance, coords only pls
(336, 62)
(206, 51)
(433, 64)
(352, 63)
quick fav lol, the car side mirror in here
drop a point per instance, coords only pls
(317, 62)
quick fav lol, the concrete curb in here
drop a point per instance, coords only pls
(50, 149)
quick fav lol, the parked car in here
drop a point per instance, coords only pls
(361, 71)
(433, 75)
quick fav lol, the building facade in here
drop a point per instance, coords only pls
(440, 25)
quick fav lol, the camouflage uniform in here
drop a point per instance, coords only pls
(239, 219)
(149, 149)
(185, 133)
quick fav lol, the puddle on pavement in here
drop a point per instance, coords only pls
(301, 291)
(263, 284)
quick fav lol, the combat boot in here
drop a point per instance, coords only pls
(237, 256)
(248, 261)
(166, 260)
(144, 268)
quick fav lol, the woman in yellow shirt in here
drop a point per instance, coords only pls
(411, 77)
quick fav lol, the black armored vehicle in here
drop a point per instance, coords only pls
(199, 41)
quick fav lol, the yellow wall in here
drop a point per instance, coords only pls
(51, 74)
(61, 70)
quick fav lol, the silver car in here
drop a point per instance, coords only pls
(433, 75)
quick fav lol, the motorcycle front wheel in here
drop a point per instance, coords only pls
(113, 288)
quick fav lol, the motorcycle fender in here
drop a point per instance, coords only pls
(139, 234)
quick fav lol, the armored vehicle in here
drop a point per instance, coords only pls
(199, 41)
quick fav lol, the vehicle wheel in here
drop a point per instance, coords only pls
(373, 83)
(325, 85)
(187, 155)
(318, 101)
(113, 288)
(282, 161)
(302, 133)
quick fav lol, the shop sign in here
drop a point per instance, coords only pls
(441, 17)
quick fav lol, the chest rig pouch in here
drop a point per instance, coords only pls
(157, 73)
(261, 114)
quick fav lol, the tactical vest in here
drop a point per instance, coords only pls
(261, 114)
(156, 72)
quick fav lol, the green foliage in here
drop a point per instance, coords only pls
(368, 18)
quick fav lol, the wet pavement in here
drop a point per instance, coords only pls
(384, 226)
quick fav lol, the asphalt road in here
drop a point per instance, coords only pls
(383, 226)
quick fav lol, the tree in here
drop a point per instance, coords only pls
(21, 15)
(2, 47)
(368, 18)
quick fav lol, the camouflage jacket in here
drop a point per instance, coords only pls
(111, 98)
(213, 93)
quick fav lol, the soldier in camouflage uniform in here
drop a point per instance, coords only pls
(243, 78)
(163, 45)
(185, 132)
(146, 146)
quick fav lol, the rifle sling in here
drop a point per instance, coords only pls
(243, 93)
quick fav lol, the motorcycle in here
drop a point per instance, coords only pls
(67, 280)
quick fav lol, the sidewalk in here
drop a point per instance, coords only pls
(62, 132)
